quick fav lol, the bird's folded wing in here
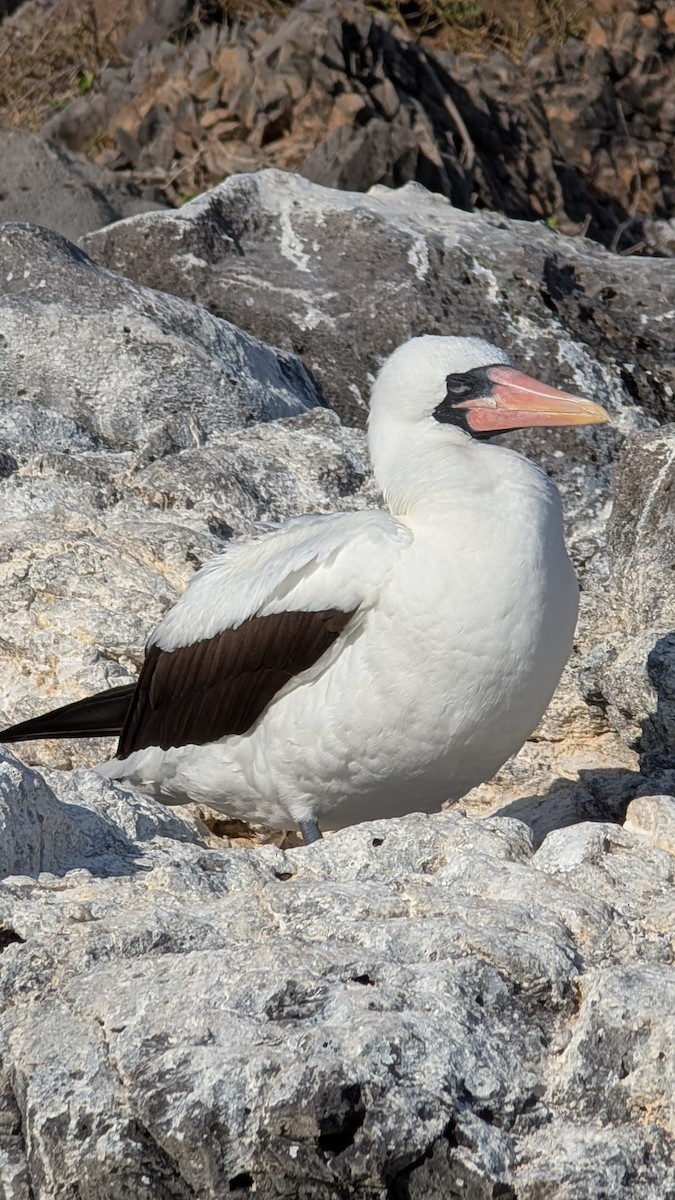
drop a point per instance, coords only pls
(253, 619)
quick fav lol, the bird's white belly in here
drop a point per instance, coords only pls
(416, 715)
(445, 679)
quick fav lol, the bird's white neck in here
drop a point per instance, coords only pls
(437, 478)
(421, 469)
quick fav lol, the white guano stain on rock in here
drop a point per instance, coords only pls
(489, 281)
(312, 318)
(418, 257)
(291, 245)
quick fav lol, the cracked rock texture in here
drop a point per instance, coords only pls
(431, 1010)
(130, 366)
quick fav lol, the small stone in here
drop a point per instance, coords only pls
(653, 817)
(214, 116)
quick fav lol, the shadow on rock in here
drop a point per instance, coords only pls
(657, 744)
(626, 685)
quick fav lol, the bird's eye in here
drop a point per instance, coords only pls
(458, 385)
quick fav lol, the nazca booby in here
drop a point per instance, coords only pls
(366, 664)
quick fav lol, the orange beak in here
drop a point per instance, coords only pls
(517, 401)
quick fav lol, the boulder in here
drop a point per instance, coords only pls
(430, 1010)
(129, 366)
(342, 278)
(632, 670)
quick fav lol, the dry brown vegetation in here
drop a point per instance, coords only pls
(482, 26)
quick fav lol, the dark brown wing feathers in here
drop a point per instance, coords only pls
(220, 686)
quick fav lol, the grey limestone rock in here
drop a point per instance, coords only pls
(343, 278)
(633, 668)
(429, 1009)
(641, 531)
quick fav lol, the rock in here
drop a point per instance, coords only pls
(654, 817)
(408, 1022)
(89, 822)
(643, 551)
(352, 158)
(268, 472)
(275, 252)
(582, 1164)
(632, 669)
(45, 184)
(131, 367)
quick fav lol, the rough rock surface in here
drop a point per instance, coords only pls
(130, 366)
(633, 669)
(46, 184)
(579, 133)
(431, 1010)
(343, 278)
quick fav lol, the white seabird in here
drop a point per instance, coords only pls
(367, 664)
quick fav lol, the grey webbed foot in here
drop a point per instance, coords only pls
(310, 831)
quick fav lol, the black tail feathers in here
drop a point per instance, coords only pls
(102, 715)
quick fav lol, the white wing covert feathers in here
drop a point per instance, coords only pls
(340, 560)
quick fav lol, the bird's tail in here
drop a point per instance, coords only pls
(102, 715)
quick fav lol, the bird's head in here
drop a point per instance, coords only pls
(467, 385)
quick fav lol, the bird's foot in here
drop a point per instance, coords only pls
(310, 831)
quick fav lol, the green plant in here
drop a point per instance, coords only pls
(85, 82)
(460, 12)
